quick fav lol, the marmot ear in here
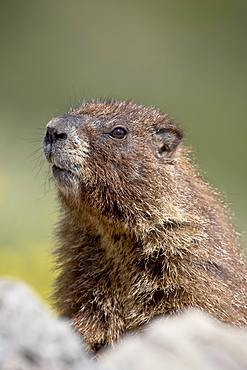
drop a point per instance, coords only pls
(166, 139)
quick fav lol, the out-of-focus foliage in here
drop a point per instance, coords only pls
(187, 57)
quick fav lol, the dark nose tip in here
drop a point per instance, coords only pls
(52, 135)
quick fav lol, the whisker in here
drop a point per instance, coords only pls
(36, 151)
(40, 165)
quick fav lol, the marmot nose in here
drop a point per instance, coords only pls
(53, 134)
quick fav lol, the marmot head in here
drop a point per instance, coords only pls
(109, 155)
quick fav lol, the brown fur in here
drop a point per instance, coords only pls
(141, 233)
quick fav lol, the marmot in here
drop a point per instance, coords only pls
(141, 233)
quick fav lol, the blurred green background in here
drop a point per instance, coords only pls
(188, 57)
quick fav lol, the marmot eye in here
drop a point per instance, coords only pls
(118, 133)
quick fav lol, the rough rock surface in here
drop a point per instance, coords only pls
(31, 339)
(189, 341)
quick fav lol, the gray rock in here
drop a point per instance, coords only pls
(30, 338)
(187, 341)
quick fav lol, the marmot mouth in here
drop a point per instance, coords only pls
(57, 169)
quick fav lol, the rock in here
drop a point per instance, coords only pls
(30, 338)
(191, 340)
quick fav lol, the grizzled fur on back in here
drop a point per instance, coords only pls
(141, 233)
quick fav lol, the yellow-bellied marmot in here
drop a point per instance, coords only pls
(141, 233)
